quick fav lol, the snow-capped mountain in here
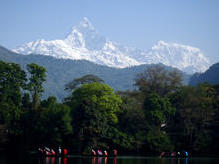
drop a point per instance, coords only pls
(83, 42)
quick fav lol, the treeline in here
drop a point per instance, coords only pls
(161, 115)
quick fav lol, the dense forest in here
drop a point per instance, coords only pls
(160, 115)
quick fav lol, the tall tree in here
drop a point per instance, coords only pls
(195, 112)
(26, 102)
(12, 81)
(35, 85)
(159, 80)
(94, 107)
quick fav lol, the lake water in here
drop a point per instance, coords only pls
(107, 160)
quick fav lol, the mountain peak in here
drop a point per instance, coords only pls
(84, 42)
(84, 24)
(161, 43)
(85, 36)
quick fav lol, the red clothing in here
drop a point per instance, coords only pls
(65, 151)
(94, 153)
(114, 152)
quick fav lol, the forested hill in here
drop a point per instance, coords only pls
(61, 71)
(211, 76)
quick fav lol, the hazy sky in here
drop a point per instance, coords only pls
(138, 23)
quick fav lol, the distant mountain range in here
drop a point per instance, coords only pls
(211, 76)
(85, 43)
(62, 71)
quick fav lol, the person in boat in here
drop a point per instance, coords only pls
(47, 151)
(173, 154)
(40, 150)
(178, 154)
(93, 152)
(99, 152)
(60, 151)
(186, 154)
(65, 151)
(115, 152)
(52, 152)
(105, 153)
(162, 154)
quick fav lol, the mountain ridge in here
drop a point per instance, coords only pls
(62, 71)
(209, 76)
(84, 42)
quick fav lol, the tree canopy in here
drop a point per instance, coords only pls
(35, 85)
(94, 109)
(159, 80)
(82, 80)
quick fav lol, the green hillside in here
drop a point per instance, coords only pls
(210, 76)
(61, 71)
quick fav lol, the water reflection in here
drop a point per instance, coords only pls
(94, 160)
(103, 160)
(186, 161)
(114, 160)
(52, 160)
(59, 160)
(100, 160)
(110, 160)
(175, 160)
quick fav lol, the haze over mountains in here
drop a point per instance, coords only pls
(85, 43)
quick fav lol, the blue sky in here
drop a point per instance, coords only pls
(138, 23)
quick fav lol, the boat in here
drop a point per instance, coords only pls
(99, 153)
(45, 151)
(183, 154)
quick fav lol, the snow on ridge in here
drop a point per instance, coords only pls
(84, 42)
(183, 57)
(161, 43)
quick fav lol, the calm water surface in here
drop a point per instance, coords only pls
(109, 160)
